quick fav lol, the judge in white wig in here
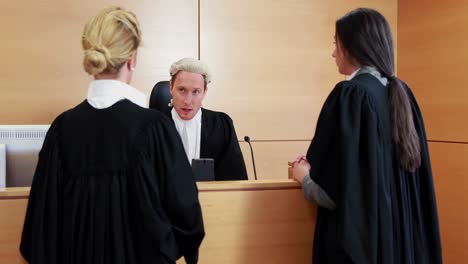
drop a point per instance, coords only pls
(204, 133)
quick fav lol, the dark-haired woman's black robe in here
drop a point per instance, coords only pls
(112, 186)
(383, 214)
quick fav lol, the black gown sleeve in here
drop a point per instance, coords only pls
(230, 163)
(429, 243)
(178, 191)
(41, 237)
(345, 162)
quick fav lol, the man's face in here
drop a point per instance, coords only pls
(188, 92)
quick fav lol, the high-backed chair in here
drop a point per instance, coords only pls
(160, 97)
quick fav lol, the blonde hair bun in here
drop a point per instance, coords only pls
(109, 40)
(96, 60)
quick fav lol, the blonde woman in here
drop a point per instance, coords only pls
(113, 183)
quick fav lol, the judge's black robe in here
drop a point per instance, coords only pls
(113, 186)
(383, 214)
(219, 142)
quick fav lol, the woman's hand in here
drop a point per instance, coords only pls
(300, 168)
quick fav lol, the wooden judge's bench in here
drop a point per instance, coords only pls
(245, 222)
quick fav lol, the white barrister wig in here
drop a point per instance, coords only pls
(191, 65)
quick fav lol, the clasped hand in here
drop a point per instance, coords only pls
(300, 168)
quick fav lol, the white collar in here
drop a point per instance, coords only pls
(104, 93)
(372, 71)
(189, 131)
(195, 119)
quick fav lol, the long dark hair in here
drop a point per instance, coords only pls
(366, 36)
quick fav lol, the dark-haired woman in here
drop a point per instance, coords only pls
(368, 165)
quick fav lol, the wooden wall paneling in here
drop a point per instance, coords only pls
(11, 225)
(271, 61)
(450, 169)
(431, 59)
(271, 158)
(432, 56)
(42, 75)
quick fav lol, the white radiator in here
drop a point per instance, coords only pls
(22, 144)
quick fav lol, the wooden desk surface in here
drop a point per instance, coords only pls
(23, 192)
